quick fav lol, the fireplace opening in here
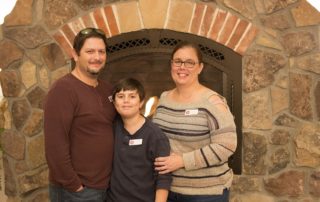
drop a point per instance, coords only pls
(145, 55)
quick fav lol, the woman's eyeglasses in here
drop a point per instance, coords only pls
(187, 64)
(90, 30)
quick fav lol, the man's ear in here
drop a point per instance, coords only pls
(74, 55)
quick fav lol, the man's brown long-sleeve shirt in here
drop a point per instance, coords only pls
(78, 133)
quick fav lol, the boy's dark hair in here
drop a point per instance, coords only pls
(129, 84)
(184, 44)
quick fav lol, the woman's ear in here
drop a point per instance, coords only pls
(200, 67)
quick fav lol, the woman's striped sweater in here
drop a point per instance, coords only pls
(205, 137)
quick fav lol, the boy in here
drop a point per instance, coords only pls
(137, 143)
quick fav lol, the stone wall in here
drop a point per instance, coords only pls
(279, 41)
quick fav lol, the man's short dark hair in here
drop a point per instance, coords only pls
(86, 33)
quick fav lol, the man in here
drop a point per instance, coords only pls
(78, 118)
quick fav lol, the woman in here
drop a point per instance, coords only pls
(201, 131)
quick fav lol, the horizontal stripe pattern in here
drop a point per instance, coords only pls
(205, 138)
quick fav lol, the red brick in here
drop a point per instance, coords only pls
(207, 20)
(217, 24)
(241, 27)
(227, 29)
(113, 27)
(100, 21)
(247, 40)
(196, 20)
(63, 43)
(87, 21)
(76, 25)
(68, 33)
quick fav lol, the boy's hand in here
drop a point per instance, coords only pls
(80, 188)
(161, 195)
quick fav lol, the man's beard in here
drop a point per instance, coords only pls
(94, 72)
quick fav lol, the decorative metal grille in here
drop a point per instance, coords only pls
(165, 42)
(135, 43)
(204, 49)
(211, 52)
(169, 42)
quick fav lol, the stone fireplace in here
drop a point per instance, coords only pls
(269, 74)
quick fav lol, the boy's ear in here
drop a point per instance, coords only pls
(141, 104)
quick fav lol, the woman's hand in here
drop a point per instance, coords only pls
(169, 163)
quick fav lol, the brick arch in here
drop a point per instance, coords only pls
(200, 19)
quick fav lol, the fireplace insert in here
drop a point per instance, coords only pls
(145, 55)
